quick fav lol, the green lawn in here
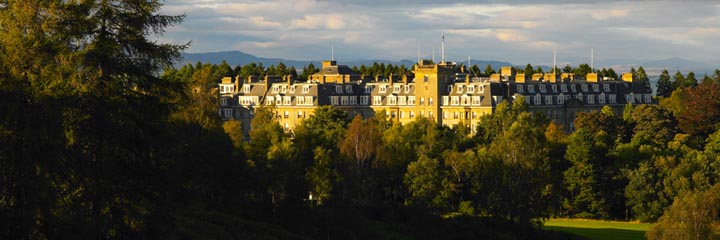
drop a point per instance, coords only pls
(599, 230)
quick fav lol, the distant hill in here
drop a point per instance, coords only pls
(235, 58)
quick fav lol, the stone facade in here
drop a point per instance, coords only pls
(442, 92)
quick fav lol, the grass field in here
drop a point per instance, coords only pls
(599, 230)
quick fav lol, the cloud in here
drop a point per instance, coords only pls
(517, 30)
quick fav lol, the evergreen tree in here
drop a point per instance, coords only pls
(664, 86)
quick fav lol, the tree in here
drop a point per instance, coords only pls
(691, 216)
(642, 79)
(700, 115)
(529, 70)
(89, 72)
(664, 86)
(362, 139)
(567, 69)
(679, 80)
(489, 70)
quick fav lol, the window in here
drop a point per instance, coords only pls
(538, 99)
(364, 100)
(561, 99)
(449, 88)
(275, 89)
(377, 100)
(584, 87)
(309, 100)
(402, 100)
(383, 88)
(396, 89)
(430, 101)
(482, 88)
(344, 100)
(407, 88)
(454, 100)
(474, 115)
(460, 88)
(393, 114)
(648, 98)
(338, 89)
(531, 88)
(402, 114)
(596, 88)
(422, 114)
(246, 89)
(471, 89)
(455, 115)
(591, 99)
(476, 100)
(563, 87)
(412, 114)
(300, 114)
(392, 100)
(548, 100)
(283, 89)
(445, 100)
(465, 100)
(430, 115)
(411, 100)
(227, 113)
(287, 114)
(349, 89)
(601, 98)
(519, 88)
(425, 78)
(300, 101)
(306, 89)
(606, 87)
(270, 100)
(542, 88)
(292, 89)
(223, 101)
(334, 100)
(572, 88)
(278, 100)
(287, 100)
(368, 89)
(422, 101)
(353, 100)
(444, 115)
(554, 88)
(612, 98)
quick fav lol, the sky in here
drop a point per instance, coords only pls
(517, 31)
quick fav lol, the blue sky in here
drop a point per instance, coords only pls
(516, 31)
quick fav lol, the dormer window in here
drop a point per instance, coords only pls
(460, 88)
(596, 87)
(542, 88)
(519, 88)
(383, 88)
(275, 89)
(584, 87)
(348, 89)
(563, 88)
(292, 89)
(606, 87)
(554, 88)
(531, 88)
(338, 89)
(407, 88)
(283, 89)
(306, 89)
(471, 89)
(449, 89)
(572, 88)
(396, 89)
(223, 101)
(246, 89)
(368, 89)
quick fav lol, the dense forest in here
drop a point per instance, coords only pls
(101, 138)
